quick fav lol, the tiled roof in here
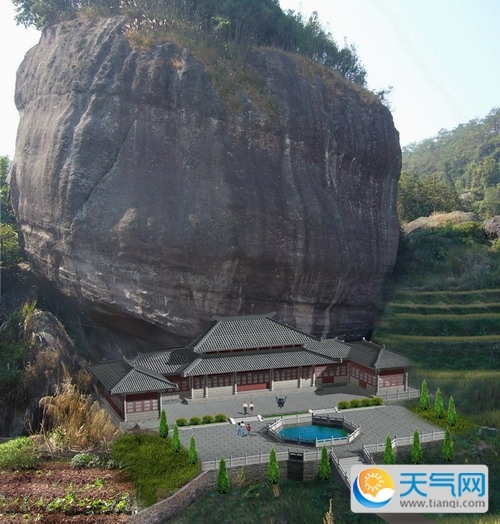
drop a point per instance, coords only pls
(120, 377)
(256, 331)
(374, 356)
(330, 347)
(167, 362)
(111, 372)
(255, 361)
(139, 379)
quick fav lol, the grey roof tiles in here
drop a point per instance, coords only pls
(248, 343)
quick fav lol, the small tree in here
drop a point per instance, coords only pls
(424, 396)
(192, 454)
(176, 441)
(451, 413)
(416, 449)
(163, 425)
(388, 452)
(273, 473)
(447, 447)
(325, 467)
(438, 405)
(222, 478)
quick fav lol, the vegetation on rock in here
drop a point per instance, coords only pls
(236, 23)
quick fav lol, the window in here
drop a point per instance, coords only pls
(141, 403)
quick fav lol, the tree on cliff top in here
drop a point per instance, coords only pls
(247, 24)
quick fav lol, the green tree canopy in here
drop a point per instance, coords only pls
(447, 447)
(416, 449)
(245, 23)
(325, 468)
(464, 161)
(273, 469)
(388, 452)
(176, 441)
(424, 395)
(438, 404)
(222, 478)
(163, 430)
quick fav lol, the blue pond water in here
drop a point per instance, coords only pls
(311, 432)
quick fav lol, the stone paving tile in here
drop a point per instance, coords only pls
(219, 440)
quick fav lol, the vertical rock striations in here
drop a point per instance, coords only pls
(143, 193)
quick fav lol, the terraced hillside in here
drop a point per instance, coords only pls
(454, 339)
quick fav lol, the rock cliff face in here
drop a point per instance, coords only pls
(143, 195)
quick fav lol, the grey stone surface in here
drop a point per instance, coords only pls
(220, 441)
(151, 201)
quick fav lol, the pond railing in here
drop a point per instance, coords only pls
(320, 420)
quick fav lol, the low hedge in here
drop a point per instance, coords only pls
(360, 403)
(197, 421)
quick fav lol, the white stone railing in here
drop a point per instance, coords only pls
(262, 458)
(403, 441)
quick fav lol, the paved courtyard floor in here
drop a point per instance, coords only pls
(217, 441)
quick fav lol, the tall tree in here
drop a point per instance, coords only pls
(424, 396)
(416, 449)
(451, 412)
(325, 468)
(273, 472)
(388, 452)
(163, 430)
(447, 447)
(222, 478)
(438, 404)
(192, 453)
(176, 441)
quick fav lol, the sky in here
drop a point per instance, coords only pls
(441, 58)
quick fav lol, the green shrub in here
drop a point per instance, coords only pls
(377, 401)
(163, 429)
(273, 469)
(86, 460)
(195, 421)
(355, 403)
(222, 478)
(416, 449)
(181, 422)
(365, 402)
(388, 451)
(220, 417)
(325, 467)
(19, 454)
(451, 413)
(176, 441)
(438, 405)
(447, 449)
(153, 467)
(424, 396)
(207, 419)
(192, 453)
(343, 404)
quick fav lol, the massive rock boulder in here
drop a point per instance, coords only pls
(148, 196)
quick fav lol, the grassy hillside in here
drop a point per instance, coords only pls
(451, 333)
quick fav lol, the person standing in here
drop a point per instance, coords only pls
(248, 428)
(245, 408)
(251, 408)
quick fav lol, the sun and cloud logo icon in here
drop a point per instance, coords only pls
(373, 488)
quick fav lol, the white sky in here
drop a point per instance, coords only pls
(440, 56)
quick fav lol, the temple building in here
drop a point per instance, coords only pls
(246, 353)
